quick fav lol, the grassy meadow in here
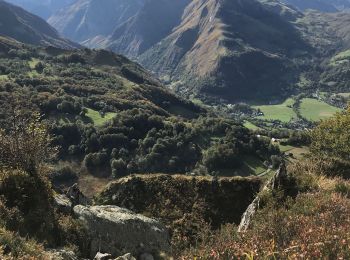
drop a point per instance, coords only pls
(283, 112)
(316, 110)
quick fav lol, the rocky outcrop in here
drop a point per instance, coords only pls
(61, 254)
(126, 257)
(119, 231)
(279, 179)
(62, 203)
(76, 196)
(173, 198)
(102, 256)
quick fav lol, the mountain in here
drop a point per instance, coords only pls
(215, 50)
(25, 27)
(328, 6)
(236, 50)
(91, 20)
(42, 8)
(233, 49)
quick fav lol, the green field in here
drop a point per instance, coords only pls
(250, 126)
(32, 63)
(285, 148)
(96, 117)
(3, 77)
(315, 110)
(283, 112)
(344, 55)
(252, 166)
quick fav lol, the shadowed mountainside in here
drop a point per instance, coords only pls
(17, 23)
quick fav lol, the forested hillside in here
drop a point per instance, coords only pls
(110, 114)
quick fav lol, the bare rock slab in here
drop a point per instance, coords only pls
(119, 231)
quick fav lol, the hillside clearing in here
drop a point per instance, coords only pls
(250, 125)
(96, 117)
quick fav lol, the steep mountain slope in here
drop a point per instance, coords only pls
(92, 20)
(328, 6)
(330, 34)
(28, 28)
(236, 49)
(42, 8)
(153, 22)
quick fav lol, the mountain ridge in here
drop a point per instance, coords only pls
(25, 27)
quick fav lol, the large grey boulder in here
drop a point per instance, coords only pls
(119, 231)
(61, 254)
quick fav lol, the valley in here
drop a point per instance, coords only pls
(161, 129)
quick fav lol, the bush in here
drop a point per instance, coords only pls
(314, 226)
(119, 168)
(26, 144)
(64, 174)
(221, 157)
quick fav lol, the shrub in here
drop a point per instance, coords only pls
(314, 226)
(221, 157)
(119, 168)
(26, 144)
(63, 174)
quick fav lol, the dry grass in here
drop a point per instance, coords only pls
(313, 225)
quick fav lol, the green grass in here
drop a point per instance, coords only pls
(253, 165)
(315, 110)
(340, 58)
(33, 74)
(97, 119)
(250, 126)
(344, 55)
(283, 112)
(3, 77)
(285, 148)
(181, 111)
(32, 63)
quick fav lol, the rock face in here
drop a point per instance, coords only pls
(63, 203)
(119, 231)
(61, 254)
(216, 201)
(279, 179)
(76, 196)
